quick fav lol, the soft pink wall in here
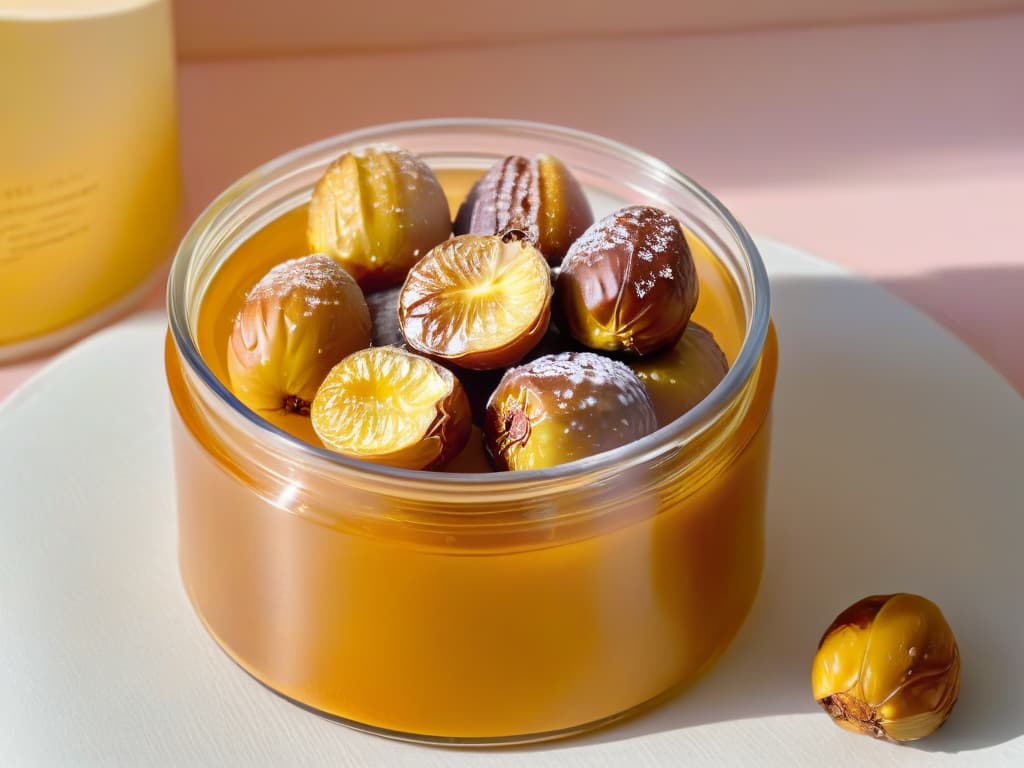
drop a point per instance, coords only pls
(232, 27)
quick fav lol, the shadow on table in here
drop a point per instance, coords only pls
(990, 323)
(897, 466)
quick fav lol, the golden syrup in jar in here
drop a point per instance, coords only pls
(467, 635)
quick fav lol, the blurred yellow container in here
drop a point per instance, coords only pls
(89, 181)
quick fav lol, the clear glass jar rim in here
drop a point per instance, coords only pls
(673, 435)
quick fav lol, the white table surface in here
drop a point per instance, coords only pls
(897, 466)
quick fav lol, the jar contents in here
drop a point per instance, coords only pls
(377, 211)
(392, 407)
(300, 319)
(680, 377)
(628, 285)
(537, 196)
(552, 365)
(559, 408)
(479, 302)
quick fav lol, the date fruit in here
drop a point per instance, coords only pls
(389, 406)
(299, 320)
(679, 378)
(565, 407)
(376, 211)
(537, 196)
(629, 283)
(479, 302)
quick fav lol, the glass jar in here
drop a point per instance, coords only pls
(89, 181)
(472, 608)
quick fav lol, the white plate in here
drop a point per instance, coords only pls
(898, 465)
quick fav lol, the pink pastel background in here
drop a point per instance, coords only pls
(893, 147)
